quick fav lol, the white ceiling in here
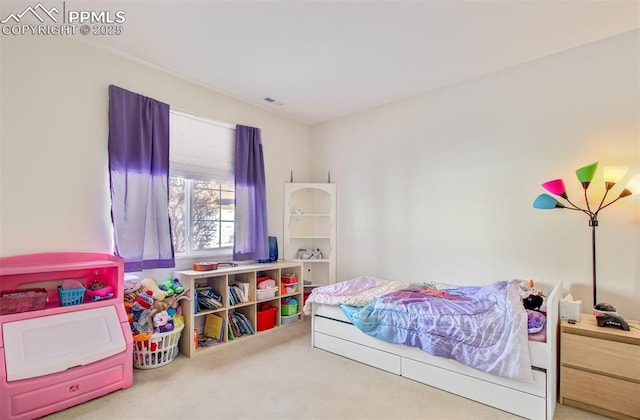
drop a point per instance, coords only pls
(327, 59)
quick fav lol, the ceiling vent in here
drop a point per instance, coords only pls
(273, 101)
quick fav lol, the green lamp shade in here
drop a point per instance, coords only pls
(586, 173)
(546, 202)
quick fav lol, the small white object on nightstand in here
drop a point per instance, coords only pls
(569, 308)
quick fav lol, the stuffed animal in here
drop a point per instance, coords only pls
(163, 322)
(150, 284)
(145, 299)
(172, 286)
(533, 299)
(141, 312)
(127, 309)
(141, 319)
(132, 287)
(174, 308)
(535, 321)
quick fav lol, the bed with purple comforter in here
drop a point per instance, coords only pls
(483, 328)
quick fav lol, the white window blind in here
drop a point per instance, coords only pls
(201, 149)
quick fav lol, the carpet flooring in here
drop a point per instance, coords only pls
(278, 375)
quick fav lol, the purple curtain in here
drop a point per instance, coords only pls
(139, 176)
(251, 236)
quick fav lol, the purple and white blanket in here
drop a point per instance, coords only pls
(358, 291)
(484, 327)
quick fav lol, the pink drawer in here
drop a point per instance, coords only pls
(81, 388)
(36, 397)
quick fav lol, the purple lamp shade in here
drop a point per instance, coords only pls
(546, 202)
(556, 186)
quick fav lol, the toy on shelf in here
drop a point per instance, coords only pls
(171, 287)
(71, 292)
(98, 289)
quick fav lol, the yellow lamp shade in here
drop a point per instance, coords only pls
(613, 174)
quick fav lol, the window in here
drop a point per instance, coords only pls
(201, 187)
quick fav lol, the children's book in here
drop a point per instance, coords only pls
(214, 327)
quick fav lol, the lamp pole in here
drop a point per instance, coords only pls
(593, 222)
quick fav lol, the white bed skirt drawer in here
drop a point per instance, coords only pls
(350, 332)
(537, 387)
(363, 354)
(504, 398)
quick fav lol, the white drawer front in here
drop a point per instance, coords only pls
(364, 354)
(514, 401)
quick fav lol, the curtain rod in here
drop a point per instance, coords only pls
(203, 119)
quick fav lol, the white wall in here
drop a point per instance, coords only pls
(54, 127)
(436, 187)
(440, 186)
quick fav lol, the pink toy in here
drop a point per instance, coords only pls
(69, 377)
(98, 288)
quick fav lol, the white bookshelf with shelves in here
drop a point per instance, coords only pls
(310, 224)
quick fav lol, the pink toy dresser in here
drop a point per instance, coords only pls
(56, 353)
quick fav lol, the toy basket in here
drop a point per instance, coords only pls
(289, 309)
(14, 301)
(69, 297)
(157, 351)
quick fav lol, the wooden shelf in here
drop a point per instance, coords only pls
(314, 228)
(220, 280)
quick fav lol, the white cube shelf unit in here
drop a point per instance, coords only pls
(220, 280)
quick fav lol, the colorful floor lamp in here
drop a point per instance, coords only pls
(611, 175)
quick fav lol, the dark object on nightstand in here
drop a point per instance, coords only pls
(607, 316)
(603, 308)
(612, 321)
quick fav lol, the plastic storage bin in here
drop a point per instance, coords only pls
(289, 309)
(289, 278)
(262, 294)
(267, 319)
(69, 297)
(157, 351)
(290, 287)
(288, 319)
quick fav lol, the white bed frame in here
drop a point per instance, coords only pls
(332, 331)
